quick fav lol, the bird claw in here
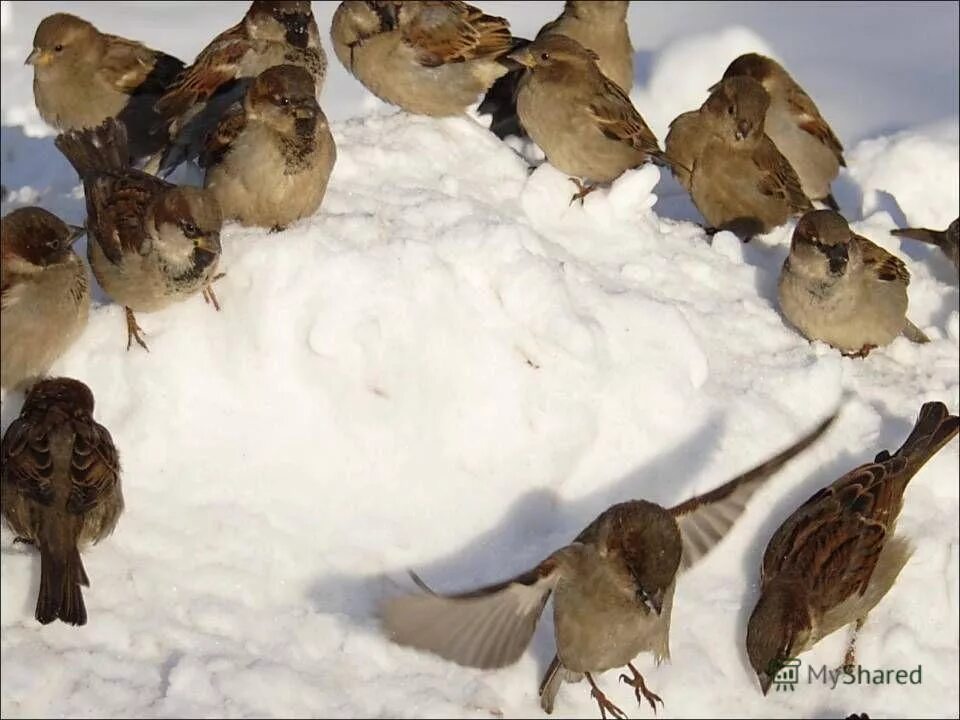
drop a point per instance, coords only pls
(640, 689)
(210, 297)
(134, 331)
(862, 352)
(582, 191)
(603, 703)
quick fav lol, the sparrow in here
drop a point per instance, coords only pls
(271, 33)
(428, 58)
(61, 491)
(737, 178)
(838, 554)
(44, 293)
(582, 120)
(947, 240)
(269, 161)
(598, 25)
(150, 243)
(82, 76)
(795, 125)
(839, 287)
(613, 586)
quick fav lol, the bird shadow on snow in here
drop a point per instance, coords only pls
(536, 524)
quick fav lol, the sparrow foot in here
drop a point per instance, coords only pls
(640, 688)
(603, 703)
(582, 190)
(134, 331)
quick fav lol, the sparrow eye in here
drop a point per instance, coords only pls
(189, 229)
(58, 48)
(544, 56)
(282, 100)
(730, 109)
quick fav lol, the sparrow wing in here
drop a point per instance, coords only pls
(94, 467)
(882, 264)
(808, 118)
(778, 178)
(27, 463)
(618, 119)
(451, 32)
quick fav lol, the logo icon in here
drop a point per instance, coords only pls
(786, 673)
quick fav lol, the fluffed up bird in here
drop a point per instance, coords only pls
(428, 58)
(82, 76)
(149, 243)
(60, 477)
(838, 287)
(947, 240)
(736, 176)
(44, 293)
(838, 554)
(269, 161)
(584, 123)
(795, 125)
(600, 26)
(613, 588)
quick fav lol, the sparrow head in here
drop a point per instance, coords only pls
(554, 55)
(287, 21)
(188, 222)
(651, 549)
(821, 245)
(33, 239)
(284, 97)
(597, 10)
(62, 42)
(70, 396)
(779, 628)
(759, 67)
(739, 106)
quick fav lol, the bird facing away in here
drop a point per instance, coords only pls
(60, 489)
(737, 178)
(269, 161)
(428, 58)
(150, 243)
(795, 125)
(584, 123)
(44, 293)
(82, 76)
(600, 26)
(838, 554)
(840, 288)
(947, 240)
(613, 590)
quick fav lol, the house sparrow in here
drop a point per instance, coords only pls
(738, 179)
(947, 240)
(44, 293)
(268, 162)
(836, 557)
(60, 482)
(82, 76)
(150, 243)
(795, 125)
(598, 25)
(584, 123)
(428, 58)
(271, 33)
(614, 591)
(840, 288)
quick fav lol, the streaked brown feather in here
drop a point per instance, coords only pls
(451, 32)
(883, 264)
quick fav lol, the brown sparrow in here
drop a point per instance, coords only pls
(269, 161)
(44, 293)
(835, 558)
(82, 76)
(150, 243)
(613, 590)
(841, 288)
(60, 489)
(947, 240)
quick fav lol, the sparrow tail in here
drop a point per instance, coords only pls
(932, 237)
(935, 428)
(60, 581)
(914, 334)
(99, 149)
(555, 676)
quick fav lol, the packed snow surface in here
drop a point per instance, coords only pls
(452, 369)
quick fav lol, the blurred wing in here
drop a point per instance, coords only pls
(450, 32)
(26, 461)
(881, 263)
(706, 519)
(808, 118)
(619, 120)
(94, 467)
(778, 178)
(487, 628)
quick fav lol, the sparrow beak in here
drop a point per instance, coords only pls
(838, 258)
(523, 56)
(714, 87)
(76, 231)
(298, 33)
(765, 682)
(743, 129)
(306, 111)
(38, 57)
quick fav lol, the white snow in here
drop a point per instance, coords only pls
(450, 368)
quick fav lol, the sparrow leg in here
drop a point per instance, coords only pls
(850, 658)
(603, 703)
(134, 330)
(582, 190)
(640, 688)
(209, 296)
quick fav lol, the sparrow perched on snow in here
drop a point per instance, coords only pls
(150, 243)
(271, 33)
(795, 125)
(835, 558)
(613, 591)
(947, 240)
(269, 161)
(82, 76)
(598, 25)
(60, 489)
(44, 293)
(737, 178)
(428, 58)
(840, 288)
(584, 123)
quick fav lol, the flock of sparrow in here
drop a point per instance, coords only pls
(755, 154)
